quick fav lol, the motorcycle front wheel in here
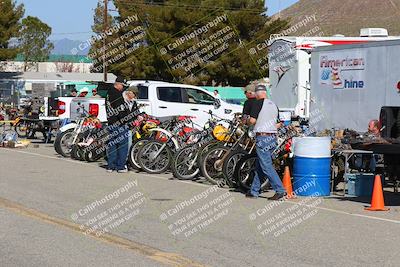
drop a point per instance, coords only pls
(184, 164)
(155, 157)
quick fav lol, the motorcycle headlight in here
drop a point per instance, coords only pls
(251, 133)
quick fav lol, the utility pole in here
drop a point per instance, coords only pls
(279, 3)
(105, 38)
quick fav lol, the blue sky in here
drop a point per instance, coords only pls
(275, 5)
(63, 16)
(76, 16)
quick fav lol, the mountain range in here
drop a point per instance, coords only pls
(68, 47)
(345, 17)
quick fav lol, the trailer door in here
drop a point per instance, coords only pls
(283, 74)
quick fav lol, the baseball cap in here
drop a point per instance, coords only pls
(249, 88)
(120, 79)
(133, 89)
(84, 90)
(260, 87)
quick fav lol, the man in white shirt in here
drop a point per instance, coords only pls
(264, 117)
(216, 94)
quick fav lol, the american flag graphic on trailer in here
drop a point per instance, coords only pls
(337, 83)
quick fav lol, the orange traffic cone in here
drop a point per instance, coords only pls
(377, 201)
(287, 183)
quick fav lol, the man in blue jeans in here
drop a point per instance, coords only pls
(120, 114)
(117, 148)
(264, 117)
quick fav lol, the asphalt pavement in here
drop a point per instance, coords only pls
(61, 212)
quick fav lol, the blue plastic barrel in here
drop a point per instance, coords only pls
(312, 166)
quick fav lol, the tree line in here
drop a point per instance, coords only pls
(205, 42)
(193, 41)
(26, 36)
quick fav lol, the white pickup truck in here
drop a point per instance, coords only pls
(73, 107)
(163, 99)
(160, 99)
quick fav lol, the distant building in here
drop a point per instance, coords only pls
(55, 63)
(14, 85)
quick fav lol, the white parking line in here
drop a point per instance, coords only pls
(346, 213)
(202, 185)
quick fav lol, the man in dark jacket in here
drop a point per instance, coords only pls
(250, 101)
(119, 115)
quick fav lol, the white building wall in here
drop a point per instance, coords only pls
(16, 66)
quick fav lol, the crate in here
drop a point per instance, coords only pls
(360, 184)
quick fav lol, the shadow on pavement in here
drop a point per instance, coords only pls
(391, 198)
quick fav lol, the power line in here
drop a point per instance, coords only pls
(250, 10)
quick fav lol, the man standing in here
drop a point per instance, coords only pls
(250, 101)
(130, 96)
(118, 116)
(216, 94)
(373, 128)
(94, 93)
(83, 92)
(265, 119)
(73, 93)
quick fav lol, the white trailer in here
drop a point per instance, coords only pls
(351, 83)
(290, 67)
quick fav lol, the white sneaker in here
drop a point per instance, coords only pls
(123, 171)
(110, 170)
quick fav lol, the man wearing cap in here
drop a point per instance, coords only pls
(130, 95)
(118, 113)
(265, 121)
(83, 92)
(94, 93)
(73, 93)
(250, 103)
(251, 99)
